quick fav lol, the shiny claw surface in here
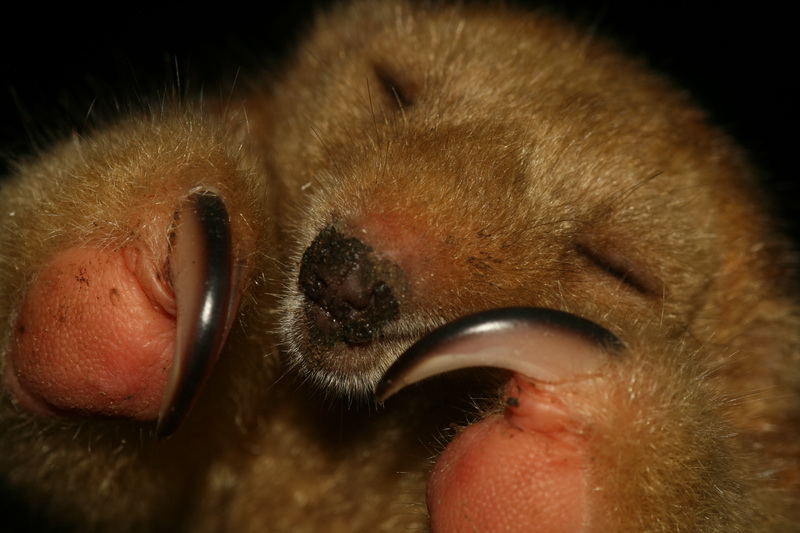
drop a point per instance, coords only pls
(544, 344)
(202, 275)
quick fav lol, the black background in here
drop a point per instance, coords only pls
(740, 61)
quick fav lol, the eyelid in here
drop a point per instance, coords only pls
(621, 267)
(398, 91)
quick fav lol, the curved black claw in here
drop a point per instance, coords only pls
(202, 275)
(545, 344)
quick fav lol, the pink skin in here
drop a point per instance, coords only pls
(521, 471)
(95, 335)
(527, 468)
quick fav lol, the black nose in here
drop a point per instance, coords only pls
(348, 289)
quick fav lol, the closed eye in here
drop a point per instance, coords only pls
(397, 91)
(622, 268)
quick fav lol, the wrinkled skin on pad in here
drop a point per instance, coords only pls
(497, 476)
(104, 271)
(99, 331)
(529, 465)
(80, 337)
(460, 159)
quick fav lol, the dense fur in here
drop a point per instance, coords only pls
(501, 159)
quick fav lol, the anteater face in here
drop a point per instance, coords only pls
(443, 176)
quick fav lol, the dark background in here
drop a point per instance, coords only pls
(57, 63)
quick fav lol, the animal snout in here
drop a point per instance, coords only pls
(350, 291)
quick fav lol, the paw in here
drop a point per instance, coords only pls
(136, 271)
(529, 464)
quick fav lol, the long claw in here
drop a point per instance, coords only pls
(203, 278)
(529, 340)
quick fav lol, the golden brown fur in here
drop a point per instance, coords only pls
(521, 161)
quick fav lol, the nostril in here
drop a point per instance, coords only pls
(356, 290)
(346, 288)
(335, 272)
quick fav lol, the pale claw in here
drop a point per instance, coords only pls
(543, 344)
(203, 278)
